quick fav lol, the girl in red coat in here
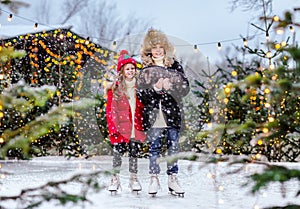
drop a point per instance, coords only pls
(124, 120)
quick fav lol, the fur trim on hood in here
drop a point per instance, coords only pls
(152, 38)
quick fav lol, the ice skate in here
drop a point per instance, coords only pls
(154, 185)
(174, 187)
(134, 183)
(114, 184)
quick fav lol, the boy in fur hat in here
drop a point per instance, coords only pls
(124, 120)
(163, 112)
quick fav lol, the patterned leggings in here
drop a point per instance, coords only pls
(133, 149)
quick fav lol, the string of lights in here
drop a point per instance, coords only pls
(195, 46)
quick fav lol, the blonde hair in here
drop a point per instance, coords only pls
(153, 38)
(119, 85)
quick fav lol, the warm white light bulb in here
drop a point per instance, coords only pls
(276, 18)
(283, 43)
(245, 42)
(87, 41)
(268, 54)
(35, 26)
(9, 18)
(219, 46)
(61, 36)
(279, 31)
(195, 48)
(267, 36)
(114, 45)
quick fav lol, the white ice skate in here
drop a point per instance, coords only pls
(134, 183)
(154, 185)
(114, 184)
(174, 186)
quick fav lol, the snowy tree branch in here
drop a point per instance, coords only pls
(52, 191)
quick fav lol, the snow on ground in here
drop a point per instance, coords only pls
(202, 191)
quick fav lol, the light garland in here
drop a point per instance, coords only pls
(195, 46)
(51, 58)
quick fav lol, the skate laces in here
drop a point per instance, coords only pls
(134, 179)
(134, 183)
(175, 179)
(115, 181)
(154, 178)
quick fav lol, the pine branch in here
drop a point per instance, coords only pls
(52, 191)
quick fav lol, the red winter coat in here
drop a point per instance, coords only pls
(119, 120)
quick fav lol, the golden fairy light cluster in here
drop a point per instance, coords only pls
(82, 46)
(48, 52)
(259, 97)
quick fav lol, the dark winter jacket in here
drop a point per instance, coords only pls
(171, 100)
(119, 120)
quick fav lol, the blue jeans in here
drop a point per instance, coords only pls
(155, 136)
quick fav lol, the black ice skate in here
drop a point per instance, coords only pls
(174, 187)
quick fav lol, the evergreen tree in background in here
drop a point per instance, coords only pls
(57, 58)
(28, 116)
(254, 109)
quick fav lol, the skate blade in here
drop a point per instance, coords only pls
(153, 194)
(135, 191)
(172, 192)
(113, 192)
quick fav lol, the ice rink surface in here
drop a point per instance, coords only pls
(207, 186)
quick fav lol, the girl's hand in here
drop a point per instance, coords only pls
(159, 84)
(166, 84)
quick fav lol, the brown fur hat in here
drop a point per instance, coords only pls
(152, 38)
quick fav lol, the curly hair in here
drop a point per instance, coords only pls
(153, 38)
